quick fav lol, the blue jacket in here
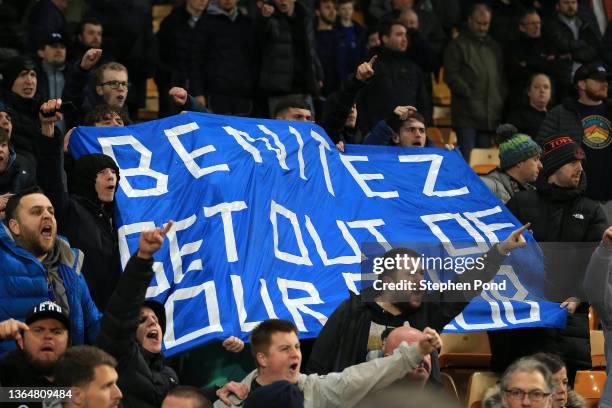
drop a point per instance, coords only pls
(23, 284)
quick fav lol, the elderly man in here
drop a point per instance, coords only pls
(420, 374)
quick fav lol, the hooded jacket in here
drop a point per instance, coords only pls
(15, 177)
(82, 218)
(23, 283)
(144, 378)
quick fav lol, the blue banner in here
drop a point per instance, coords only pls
(269, 220)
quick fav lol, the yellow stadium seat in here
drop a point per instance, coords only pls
(465, 350)
(449, 386)
(483, 161)
(590, 385)
(479, 382)
(435, 135)
(598, 357)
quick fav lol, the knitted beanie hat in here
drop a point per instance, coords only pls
(85, 171)
(13, 67)
(515, 147)
(559, 151)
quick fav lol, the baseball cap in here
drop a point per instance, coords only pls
(591, 71)
(52, 38)
(48, 310)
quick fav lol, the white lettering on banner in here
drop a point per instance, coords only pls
(212, 310)
(361, 178)
(432, 174)
(125, 253)
(347, 259)
(281, 152)
(301, 259)
(370, 226)
(487, 229)
(189, 157)
(239, 299)
(460, 320)
(300, 153)
(351, 278)
(226, 210)
(295, 306)
(242, 137)
(520, 295)
(143, 169)
(323, 156)
(431, 219)
(177, 253)
(265, 296)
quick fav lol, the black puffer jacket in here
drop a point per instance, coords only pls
(144, 378)
(569, 220)
(81, 218)
(278, 61)
(224, 53)
(397, 81)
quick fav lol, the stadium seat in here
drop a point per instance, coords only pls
(590, 385)
(435, 135)
(483, 161)
(159, 12)
(449, 386)
(593, 319)
(598, 357)
(479, 382)
(440, 90)
(465, 350)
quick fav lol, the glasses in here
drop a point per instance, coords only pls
(116, 84)
(533, 395)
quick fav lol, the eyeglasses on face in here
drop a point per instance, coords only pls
(533, 395)
(116, 84)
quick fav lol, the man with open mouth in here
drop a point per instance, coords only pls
(85, 216)
(37, 266)
(276, 349)
(41, 340)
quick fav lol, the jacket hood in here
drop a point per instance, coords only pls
(84, 175)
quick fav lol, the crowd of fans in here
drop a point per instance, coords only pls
(70, 317)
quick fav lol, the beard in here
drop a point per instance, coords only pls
(29, 240)
(598, 97)
(44, 368)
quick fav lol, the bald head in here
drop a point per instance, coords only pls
(411, 336)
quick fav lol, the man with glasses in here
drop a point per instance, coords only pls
(111, 87)
(527, 383)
